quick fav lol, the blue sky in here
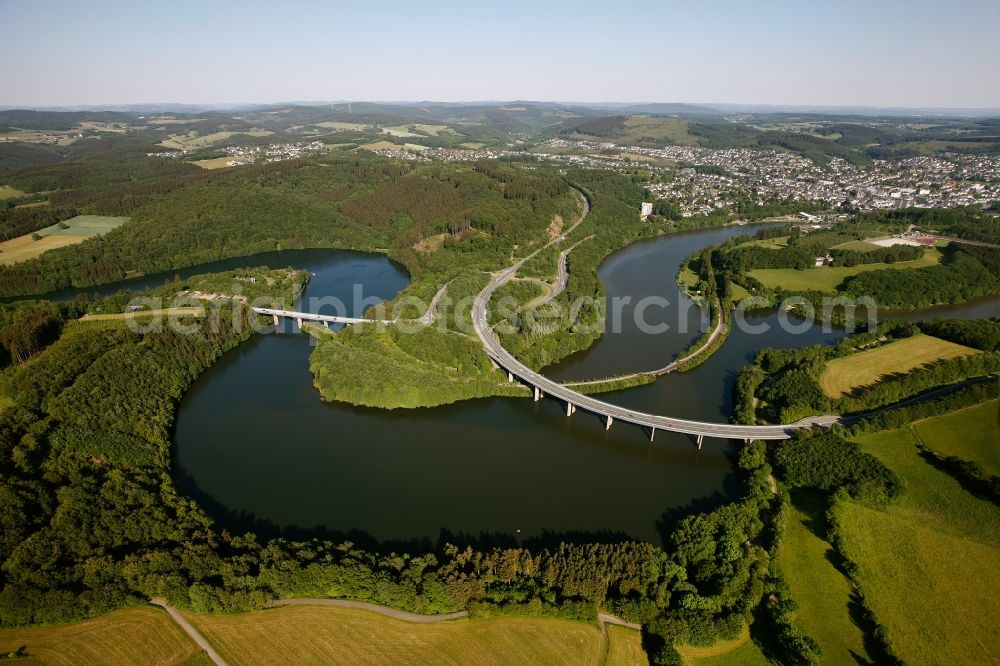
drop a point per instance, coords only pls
(879, 52)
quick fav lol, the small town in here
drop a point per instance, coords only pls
(764, 176)
(703, 181)
(275, 152)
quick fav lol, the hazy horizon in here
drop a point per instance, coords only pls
(610, 104)
(917, 55)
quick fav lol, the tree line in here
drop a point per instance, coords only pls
(93, 521)
(787, 380)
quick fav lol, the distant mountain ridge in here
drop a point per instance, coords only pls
(582, 108)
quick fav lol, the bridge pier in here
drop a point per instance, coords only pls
(298, 323)
(277, 323)
(701, 438)
(570, 408)
(538, 394)
(510, 376)
(607, 426)
(652, 434)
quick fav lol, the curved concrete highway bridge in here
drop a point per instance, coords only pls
(429, 317)
(574, 400)
(544, 386)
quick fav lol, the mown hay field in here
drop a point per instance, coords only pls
(132, 636)
(844, 374)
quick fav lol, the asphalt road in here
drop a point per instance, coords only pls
(504, 359)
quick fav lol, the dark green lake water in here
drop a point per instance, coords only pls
(259, 449)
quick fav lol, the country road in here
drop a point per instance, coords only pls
(190, 631)
(668, 368)
(430, 316)
(602, 617)
(374, 608)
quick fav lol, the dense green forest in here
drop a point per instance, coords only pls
(92, 520)
(969, 223)
(959, 278)
(183, 216)
(28, 327)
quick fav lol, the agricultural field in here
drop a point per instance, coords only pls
(857, 246)
(34, 136)
(624, 647)
(214, 163)
(8, 192)
(132, 636)
(673, 131)
(771, 243)
(339, 126)
(330, 635)
(930, 563)
(146, 314)
(821, 591)
(79, 229)
(687, 277)
(934, 147)
(863, 368)
(828, 278)
(171, 120)
(389, 145)
(738, 293)
(193, 141)
(410, 131)
(971, 434)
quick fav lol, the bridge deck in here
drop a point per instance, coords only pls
(506, 360)
(336, 319)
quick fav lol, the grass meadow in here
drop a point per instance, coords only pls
(78, 229)
(322, 635)
(8, 192)
(828, 278)
(132, 636)
(846, 373)
(971, 434)
(822, 592)
(406, 131)
(930, 563)
(739, 652)
(389, 145)
(624, 647)
(330, 635)
(193, 141)
(645, 128)
(857, 246)
(770, 243)
(215, 162)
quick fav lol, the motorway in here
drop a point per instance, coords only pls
(612, 412)
(308, 316)
(429, 317)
